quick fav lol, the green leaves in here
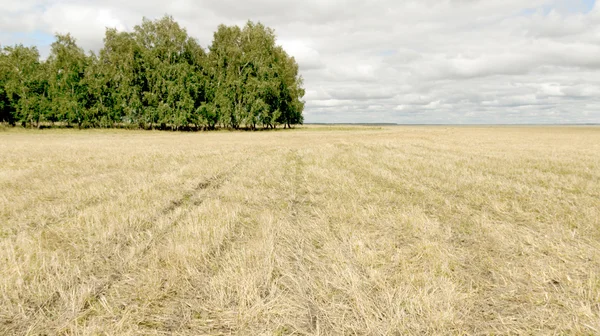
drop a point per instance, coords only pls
(66, 67)
(23, 86)
(254, 80)
(155, 76)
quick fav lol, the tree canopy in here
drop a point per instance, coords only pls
(156, 76)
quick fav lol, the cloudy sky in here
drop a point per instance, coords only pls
(404, 61)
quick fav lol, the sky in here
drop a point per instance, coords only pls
(396, 61)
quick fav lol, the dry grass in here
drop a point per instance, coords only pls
(317, 231)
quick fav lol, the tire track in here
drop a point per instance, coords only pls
(116, 273)
(311, 314)
(297, 254)
(215, 256)
(314, 318)
(33, 226)
(214, 259)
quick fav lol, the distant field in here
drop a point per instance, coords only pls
(314, 231)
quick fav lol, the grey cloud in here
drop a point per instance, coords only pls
(363, 94)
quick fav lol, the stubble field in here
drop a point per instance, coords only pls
(314, 231)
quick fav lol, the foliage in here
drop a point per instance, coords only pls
(23, 85)
(155, 76)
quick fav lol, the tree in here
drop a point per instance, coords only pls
(156, 75)
(114, 81)
(252, 80)
(291, 91)
(6, 108)
(24, 89)
(66, 69)
(258, 75)
(225, 63)
(171, 69)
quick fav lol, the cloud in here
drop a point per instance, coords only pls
(88, 24)
(438, 61)
(307, 57)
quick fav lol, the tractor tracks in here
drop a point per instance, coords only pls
(115, 271)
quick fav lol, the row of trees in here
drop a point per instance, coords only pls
(155, 76)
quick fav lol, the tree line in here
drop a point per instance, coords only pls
(156, 76)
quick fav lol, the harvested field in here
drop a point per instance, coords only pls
(313, 231)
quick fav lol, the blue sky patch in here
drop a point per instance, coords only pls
(35, 37)
(565, 6)
(387, 52)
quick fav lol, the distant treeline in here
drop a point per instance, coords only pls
(154, 77)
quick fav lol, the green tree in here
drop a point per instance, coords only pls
(155, 75)
(66, 70)
(289, 102)
(224, 65)
(7, 113)
(252, 80)
(171, 69)
(114, 81)
(24, 89)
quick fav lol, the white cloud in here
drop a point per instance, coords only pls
(460, 61)
(307, 57)
(87, 24)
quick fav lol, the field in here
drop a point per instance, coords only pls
(313, 231)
